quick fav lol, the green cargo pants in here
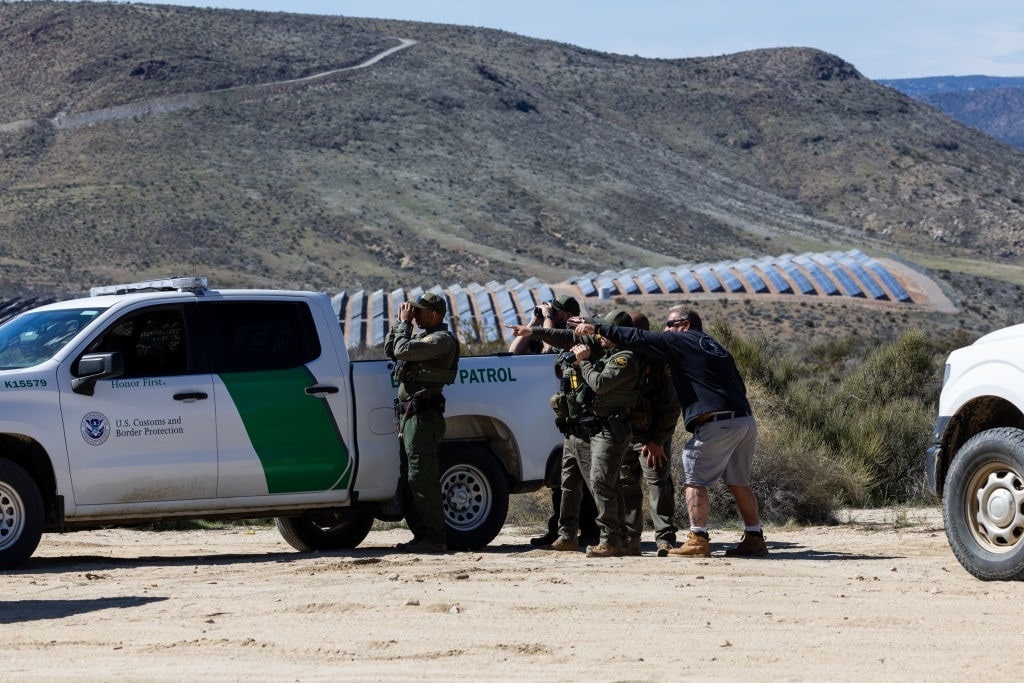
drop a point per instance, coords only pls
(421, 470)
(637, 478)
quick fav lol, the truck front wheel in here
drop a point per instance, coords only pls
(983, 505)
(340, 529)
(474, 493)
(21, 515)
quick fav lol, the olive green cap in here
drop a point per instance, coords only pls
(431, 302)
(566, 303)
(617, 317)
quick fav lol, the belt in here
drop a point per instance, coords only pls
(702, 420)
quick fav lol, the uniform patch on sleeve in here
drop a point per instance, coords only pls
(621, 361)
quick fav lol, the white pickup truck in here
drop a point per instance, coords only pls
(168, 400)
(976, 461)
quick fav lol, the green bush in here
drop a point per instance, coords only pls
(842, 423)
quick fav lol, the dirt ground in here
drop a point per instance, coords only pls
(880, 595)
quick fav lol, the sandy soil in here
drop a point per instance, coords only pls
(878, 597)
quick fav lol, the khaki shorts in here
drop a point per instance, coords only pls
(721, 450)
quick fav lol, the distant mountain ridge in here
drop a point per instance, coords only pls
(992, 104)
(471, 155)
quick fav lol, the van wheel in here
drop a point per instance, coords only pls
(983, 505)
(474, 495)
(21, 515)
(339, 529)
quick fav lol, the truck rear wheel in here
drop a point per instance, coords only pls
(983, 505)
(340, 529)
(21, 515)
(474, 494)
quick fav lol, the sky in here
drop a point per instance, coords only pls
(881, 38)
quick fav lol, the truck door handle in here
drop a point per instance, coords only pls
(321, 389)
(191, 396)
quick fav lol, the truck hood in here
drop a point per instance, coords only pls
(1012, 332)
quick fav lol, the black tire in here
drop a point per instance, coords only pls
(339, 529)
(21, 515)
(983, 505)
(474, 495)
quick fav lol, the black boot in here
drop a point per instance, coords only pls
(552, 534)
(549, 537)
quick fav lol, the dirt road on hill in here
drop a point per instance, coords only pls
(879, 598)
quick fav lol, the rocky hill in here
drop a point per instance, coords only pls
(337, 153)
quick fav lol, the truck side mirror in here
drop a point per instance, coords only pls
(96, 366)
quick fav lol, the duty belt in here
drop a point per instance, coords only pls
(417, 405)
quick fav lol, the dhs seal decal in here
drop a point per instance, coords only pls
(95, 428)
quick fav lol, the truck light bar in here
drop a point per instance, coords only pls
(180, 284)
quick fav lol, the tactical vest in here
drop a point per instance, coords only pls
(574, 398)
(428, 378)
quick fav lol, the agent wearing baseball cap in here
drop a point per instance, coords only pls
(598, 387)
(425, 363)
(553, 315)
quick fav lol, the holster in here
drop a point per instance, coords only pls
(618, 427)
(587, 426)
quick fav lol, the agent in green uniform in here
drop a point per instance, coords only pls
(647, 467)
(599, 388)
(425, 363)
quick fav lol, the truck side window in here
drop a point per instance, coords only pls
(152, 343)
(262, 335)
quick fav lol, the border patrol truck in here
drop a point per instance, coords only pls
(168, 400)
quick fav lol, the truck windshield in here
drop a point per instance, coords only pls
(31, 338)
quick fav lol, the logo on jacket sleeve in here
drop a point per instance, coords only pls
(95, 428)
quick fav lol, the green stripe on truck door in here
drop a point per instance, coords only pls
(294, 434)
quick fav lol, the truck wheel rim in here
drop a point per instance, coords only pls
(467, 498)
(12, 516)
(995, 507)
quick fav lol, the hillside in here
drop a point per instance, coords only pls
(270, 149)
(993, 105)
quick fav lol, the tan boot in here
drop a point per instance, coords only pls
(695, 546)
(565, 544)
(604, 550)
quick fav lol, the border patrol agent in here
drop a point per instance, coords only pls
(599, 387)
(647, 466)
(556, 314)
(425, 364)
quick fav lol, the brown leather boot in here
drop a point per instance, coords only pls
(695, 546)
(751, 545)
(565, 544)
(604, 550)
